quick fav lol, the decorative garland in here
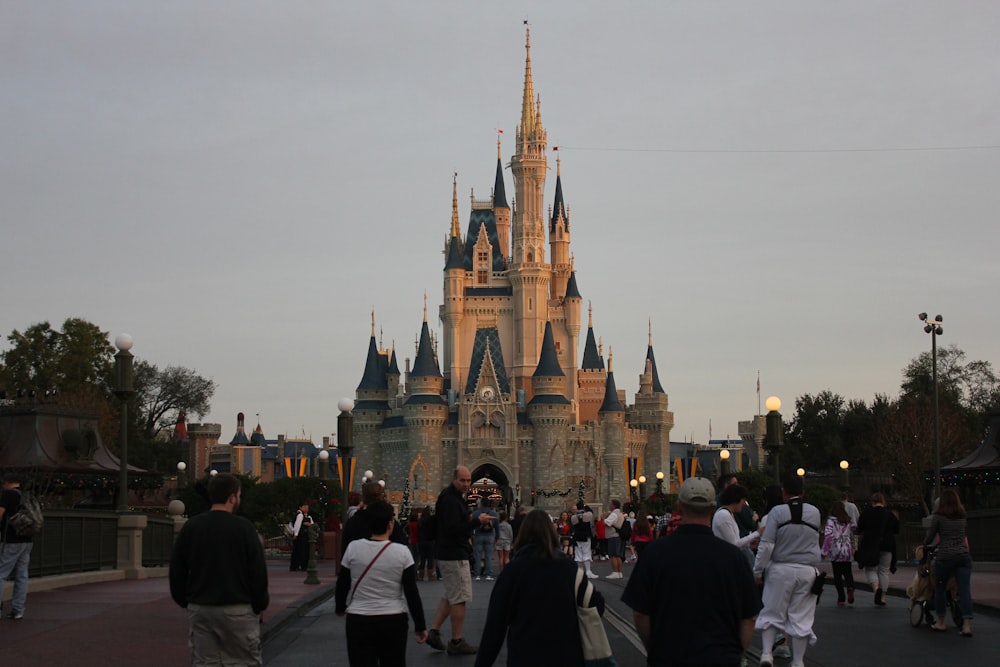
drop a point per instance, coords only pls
(57, 482)
(550, 494)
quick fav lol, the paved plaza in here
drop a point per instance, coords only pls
(135, 622)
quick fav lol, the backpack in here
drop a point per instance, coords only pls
(582, 530)
(28, 520)
(625, 532)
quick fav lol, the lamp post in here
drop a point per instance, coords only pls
(324, 463)
(642, 487)
(801, 472)
(123, 390)
(933, 327)
(345, 431)
(181, 474)
(213, 472)
(634, 483)
(775, 435)
(844, 465)
(659, 484)
(724, 457)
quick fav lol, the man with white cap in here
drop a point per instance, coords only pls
(692, 595)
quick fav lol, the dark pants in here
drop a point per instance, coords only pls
(376, 641)
(842, 576)
(300, 552)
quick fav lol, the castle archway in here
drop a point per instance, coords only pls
(490, 481)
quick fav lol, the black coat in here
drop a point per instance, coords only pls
(877, 527)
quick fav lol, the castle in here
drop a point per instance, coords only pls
(506, 396)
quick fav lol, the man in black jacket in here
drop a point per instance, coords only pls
(453, 527)
(218, 573)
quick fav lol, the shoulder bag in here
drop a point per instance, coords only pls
(596, 649)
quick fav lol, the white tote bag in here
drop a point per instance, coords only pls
(596, 649)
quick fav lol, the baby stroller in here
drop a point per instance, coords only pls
(921, 591)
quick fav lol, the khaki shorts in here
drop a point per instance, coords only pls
(457, 580)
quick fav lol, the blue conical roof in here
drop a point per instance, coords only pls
(611, 403)
(657, 387)
(558, 207)
(591, 359)
(425, 365)
(393, 367)
(548, 361)
(374, 377)
(455, 254)
(572, 291)
(499, 194)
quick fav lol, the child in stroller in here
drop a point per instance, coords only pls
(921, 591)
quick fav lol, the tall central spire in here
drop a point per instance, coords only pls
(528, 100)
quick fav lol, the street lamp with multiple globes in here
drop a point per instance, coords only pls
(844, 465)
(934, 328)
(123, 390)
(724, 457)
(775, 435)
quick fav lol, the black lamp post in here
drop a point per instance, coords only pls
(845, 466)
(123, 390)
(724, 458)
(775, 436)
(345, 430)
(933, 327)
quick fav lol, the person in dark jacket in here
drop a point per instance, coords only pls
(453, 528)
(218, 573)
(533, 602)
(300, 538)
(877, 546)
(359, 525)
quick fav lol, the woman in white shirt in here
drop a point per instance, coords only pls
(724, 525)
(376, 585)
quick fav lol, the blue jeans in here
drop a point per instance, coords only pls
(482, 545)
(16, 556)
(961, 567)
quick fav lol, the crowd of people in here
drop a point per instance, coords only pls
(697, 596)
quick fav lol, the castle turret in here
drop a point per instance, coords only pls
(559, 240)
(651, 414)
(612, 429)
(591, 378)
(529, 274)
(500, 208)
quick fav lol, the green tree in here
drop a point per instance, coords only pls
(73, 361)
(162, 394)
(815, 437)
(972, 386)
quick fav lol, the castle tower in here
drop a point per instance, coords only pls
(591, 378)
(425, 413)
(529, 274)
(500, 208)
(372, 405)
(559, 240)
(612, 428)
(652, 415)
(550, 413)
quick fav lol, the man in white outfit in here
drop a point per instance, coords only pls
(583, 534)
(788, 548)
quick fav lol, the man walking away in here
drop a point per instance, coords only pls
(454, 525)
(218, 573)
(692, 595)
(15, 550)
(484, 540)
(788, 548)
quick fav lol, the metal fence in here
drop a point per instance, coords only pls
(982, 529)
(75, 541)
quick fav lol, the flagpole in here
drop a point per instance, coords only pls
(758, 393)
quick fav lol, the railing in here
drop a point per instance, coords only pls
(75, 541)
(981, 529)
(157, 541)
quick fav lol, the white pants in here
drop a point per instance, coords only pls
(788, 604)
(581, 554)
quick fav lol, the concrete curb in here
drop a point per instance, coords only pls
(296, 610)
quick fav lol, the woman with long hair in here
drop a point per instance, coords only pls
(642, 534)
(565, 531)
(951, 558)
(837, 548)
(533, 602)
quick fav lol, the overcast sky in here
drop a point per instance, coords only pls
(778, 186)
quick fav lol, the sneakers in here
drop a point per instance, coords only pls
(489, 578)
(850, 596)
(782, 652)
(461, 647)
(434, 639)
(766, 660)
(478, 579)
(614, 575)
(16, 615)
(591, 575)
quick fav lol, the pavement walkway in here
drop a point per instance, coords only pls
(133, 622)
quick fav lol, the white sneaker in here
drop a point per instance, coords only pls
(478, 579)
(591, 575)
(489, 578)
(766, 660)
